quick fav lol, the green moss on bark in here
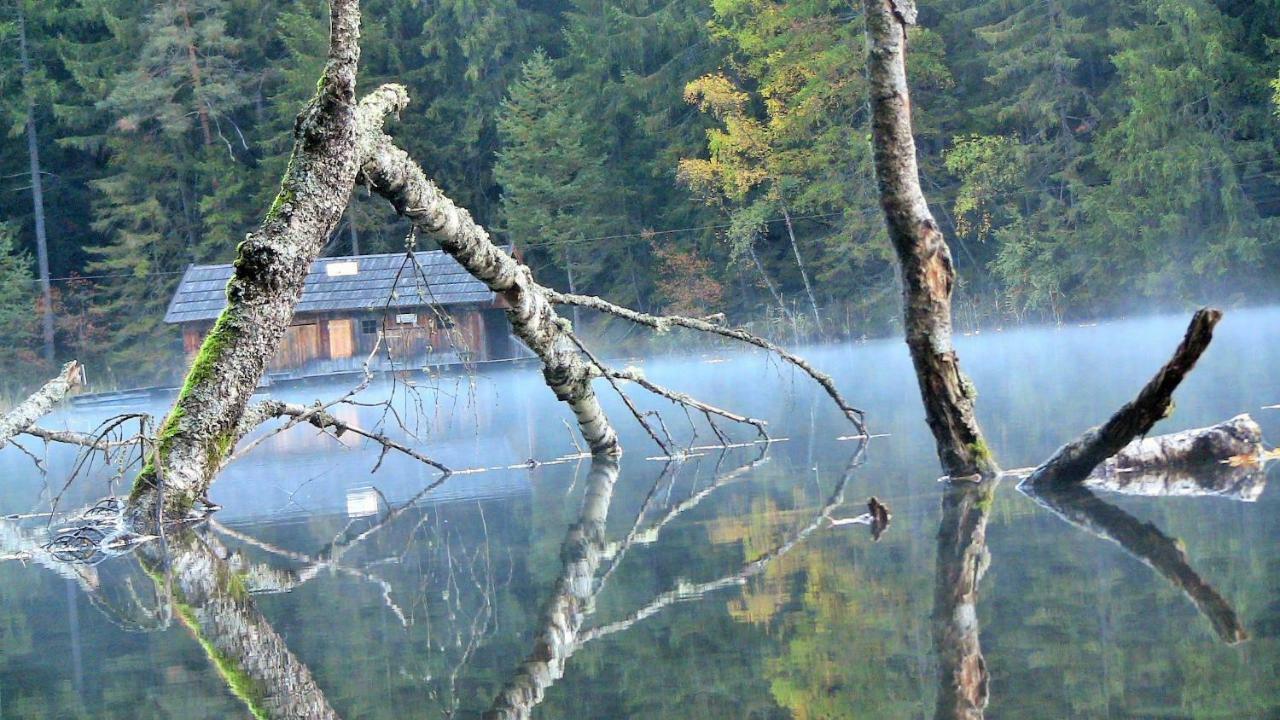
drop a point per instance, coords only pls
(250, 691)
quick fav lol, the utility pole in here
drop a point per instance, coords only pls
(37, 190)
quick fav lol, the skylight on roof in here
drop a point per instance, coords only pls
(339, 269)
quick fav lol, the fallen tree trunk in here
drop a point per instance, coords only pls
(25, 415)
(390, 172)
(1189, 450)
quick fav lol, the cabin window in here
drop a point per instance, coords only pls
(369, 327)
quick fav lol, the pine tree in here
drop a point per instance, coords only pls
(179, 168)
(19, 362)
(1192, 134)
(550, 181)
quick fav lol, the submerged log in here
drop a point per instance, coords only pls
(1244, 483)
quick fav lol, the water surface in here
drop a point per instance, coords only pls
(715, 586)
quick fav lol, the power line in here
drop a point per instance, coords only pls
(649, 234)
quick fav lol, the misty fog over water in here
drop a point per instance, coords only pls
(430, 614)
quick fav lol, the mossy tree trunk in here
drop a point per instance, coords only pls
(270, 267)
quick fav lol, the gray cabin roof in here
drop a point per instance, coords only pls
(332, 285)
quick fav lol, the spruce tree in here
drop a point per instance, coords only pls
(550, 181)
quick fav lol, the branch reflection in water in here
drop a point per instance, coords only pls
(1080, 507)
(572, 599)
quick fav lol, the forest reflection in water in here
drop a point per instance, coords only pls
(727, 585)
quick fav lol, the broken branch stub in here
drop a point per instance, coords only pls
(39, 403)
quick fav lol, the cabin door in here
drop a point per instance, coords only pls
(342, 338)
(301, 344)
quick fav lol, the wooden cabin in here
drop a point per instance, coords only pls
(430, 312)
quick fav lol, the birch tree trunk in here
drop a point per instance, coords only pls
(37, 193)
(390, 172)
(804, 275)
(927, 273)
(270, 267)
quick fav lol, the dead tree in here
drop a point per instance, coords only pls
(23, 417)
(928, 278)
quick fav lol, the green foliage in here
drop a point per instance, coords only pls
(19, 362)
(1080, 154)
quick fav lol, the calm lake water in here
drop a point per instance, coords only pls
(710, 588)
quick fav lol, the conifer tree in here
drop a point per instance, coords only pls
(550, 181)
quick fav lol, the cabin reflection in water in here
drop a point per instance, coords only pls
(420, 310)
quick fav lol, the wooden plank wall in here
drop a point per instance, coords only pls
(445, 337)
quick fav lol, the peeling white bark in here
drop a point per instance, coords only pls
(390, 172)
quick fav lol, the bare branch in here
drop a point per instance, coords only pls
(688, 401)
(662, 323)
(319, 417)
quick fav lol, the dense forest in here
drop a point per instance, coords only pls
(1086, 158)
